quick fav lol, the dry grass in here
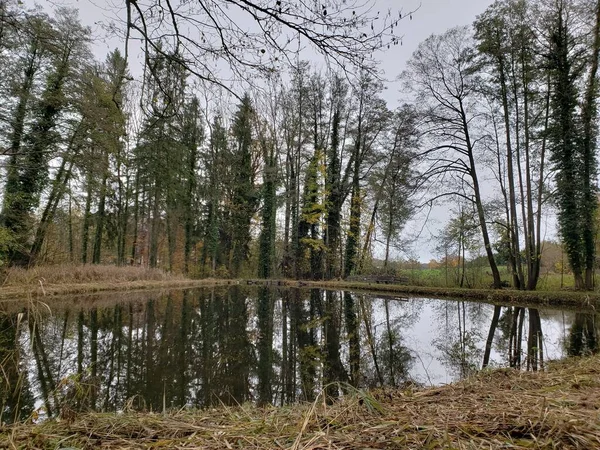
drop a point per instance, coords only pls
(90, 273)
(78, 279)
(494, 410)
(45, 281)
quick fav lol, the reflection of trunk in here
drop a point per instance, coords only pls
(16, 401)
(292, 360)
(207, 328)
(150, 387)
(334, 371)
(535, 341)
(63, 337)
(164, 357)
(353, 337)
(119, 348)
(516, 336)
(306, 356)
(80, 341)
(462, 334)
(490, 338)
(94, 356)
(265, 345)
(390, 342)
(285, 364)
(583, 337)
(129, 353)
(370, 339)
(112, 354)
(182, 350)
(236, 347)
(47, 385)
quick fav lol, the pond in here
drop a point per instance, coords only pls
(229, 346)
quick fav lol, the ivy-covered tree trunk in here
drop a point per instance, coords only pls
(59, 187)
(353, 238)
(565, 146)
(266, 255)
(244, 197)
(24, 188)
(590, 189)
(308, 255)
(10, 213)
(192, 137)
(333, 201)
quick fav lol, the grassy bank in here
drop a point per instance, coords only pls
(77, 279)
(493, 410)
(500, 296)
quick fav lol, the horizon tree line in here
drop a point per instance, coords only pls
(310, 174)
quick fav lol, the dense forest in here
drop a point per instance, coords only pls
(309, 173)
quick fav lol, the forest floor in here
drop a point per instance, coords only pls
(51, 281)
(495, 409)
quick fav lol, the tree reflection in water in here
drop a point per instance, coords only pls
(200, 348)
(583, 337)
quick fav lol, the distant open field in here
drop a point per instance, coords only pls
(479, 278)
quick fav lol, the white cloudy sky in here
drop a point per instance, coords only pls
(431, 17)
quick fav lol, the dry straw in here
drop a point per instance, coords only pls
(499, 409)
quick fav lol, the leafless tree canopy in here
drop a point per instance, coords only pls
(257, 37)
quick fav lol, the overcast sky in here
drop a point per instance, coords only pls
(430, 17)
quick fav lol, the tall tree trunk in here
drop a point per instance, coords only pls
(86, 220)
(479, 202)
(589, 115)
(334, 200)
(540, 192)
(136, 211)
(514, 221)
(154, 229)
(100, 216)
(269, 212)
(12, 188)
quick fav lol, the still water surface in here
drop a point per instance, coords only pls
(205, 347)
